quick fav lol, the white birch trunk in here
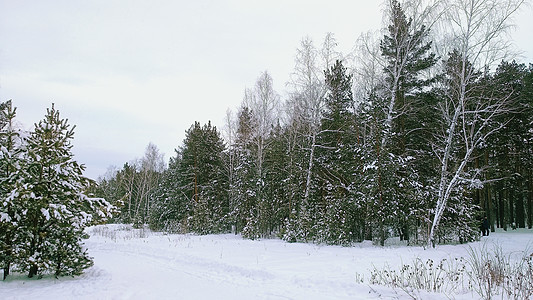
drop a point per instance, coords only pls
(476, 26)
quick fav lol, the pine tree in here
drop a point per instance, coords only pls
(403, 149)
(170, 208)
(275, 207)
(12, 150)
(57, 208)
(336, 158)
(507, 160)
(203, 180)
(243, 205)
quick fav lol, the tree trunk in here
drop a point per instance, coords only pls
(520, 195)
(490, 216)
(7, 266)
(33, 271)
(503, 211)
(309, 171)
(530, 200)
(508, 202)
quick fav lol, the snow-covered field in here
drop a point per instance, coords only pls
(139, 264)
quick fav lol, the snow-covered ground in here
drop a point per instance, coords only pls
(139, 264)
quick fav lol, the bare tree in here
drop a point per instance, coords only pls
(263, 101)
(230, 135)
(149, 169)
(307, 82)
(476, 31)
(368, 65)
(307, 99)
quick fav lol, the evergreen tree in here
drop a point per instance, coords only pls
(506, 161)
(170, 208)
(275, 207)
(243, 205)
(403, 149)
(12, 149)
(109, 187)
(57, 208)
(336, 159)
(203, 180)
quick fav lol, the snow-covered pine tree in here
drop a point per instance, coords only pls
(108, 187)
(58, 210)
(275, 207)
(169, 207)
(403, 147)
(243, 205)
(336, 158)
(12, 150)
(203, 180)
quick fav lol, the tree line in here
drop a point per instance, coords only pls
(419, 133)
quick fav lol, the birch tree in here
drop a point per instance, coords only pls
(263, 102)
(149, 170)
(476, 30)
(391, 76)
(305, 107)
(307, 82)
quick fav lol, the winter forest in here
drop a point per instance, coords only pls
(420, 132)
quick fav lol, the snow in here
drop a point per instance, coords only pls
(4, 217)
(45, 213)
(139, 264)
(370, 166)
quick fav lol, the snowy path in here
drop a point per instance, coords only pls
(130, 264)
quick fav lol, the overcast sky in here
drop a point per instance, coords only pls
(130, 72)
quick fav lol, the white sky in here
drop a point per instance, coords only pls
(130, 72)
